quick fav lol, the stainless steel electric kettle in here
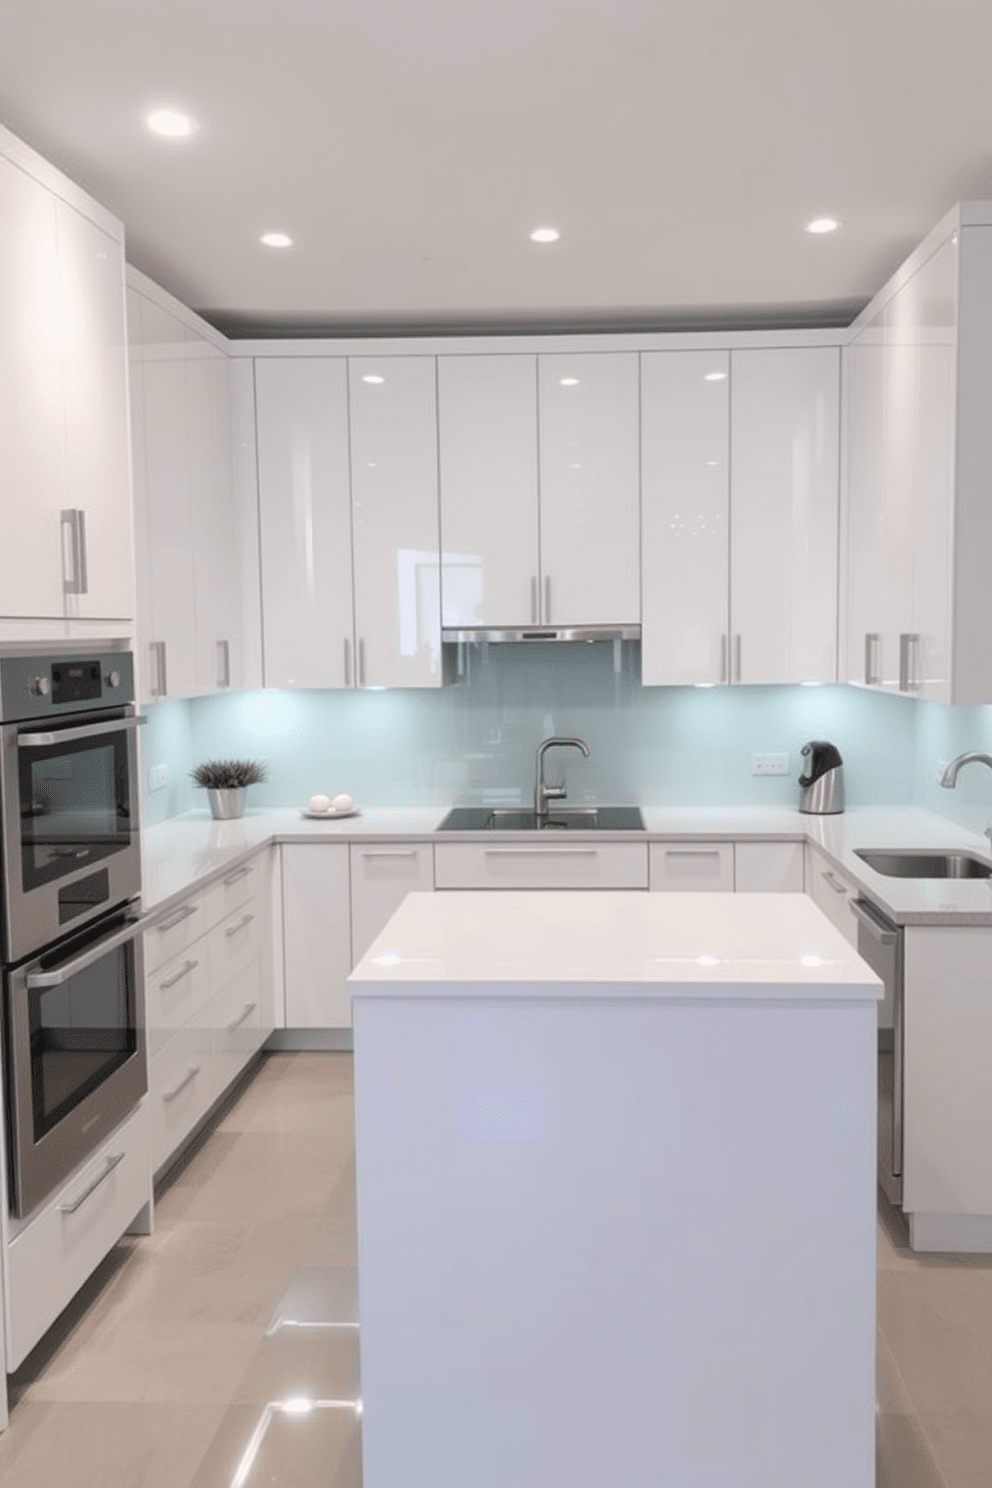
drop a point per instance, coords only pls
(822, 792)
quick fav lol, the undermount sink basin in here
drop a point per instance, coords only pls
(907, 864)
(520, 819)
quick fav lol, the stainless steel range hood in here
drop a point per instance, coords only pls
(546, 633)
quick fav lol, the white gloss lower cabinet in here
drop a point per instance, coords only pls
(834, 892)
(695, 867)
(382, 874)
(316, 892)
(566, 865)
(784, 483)
(769, 867)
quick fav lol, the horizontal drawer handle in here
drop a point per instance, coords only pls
(249, 1008)
(110, 1165)
(233, 929)
(187, 1079)
(183, 971)
(834, 882)
(238, 873)
(541, 852)
(183, 913)
(399, 852)
(692, 852)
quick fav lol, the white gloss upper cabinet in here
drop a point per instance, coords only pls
(215, 521)
(590, 488)
(487, 420)
(305, 520)
(685, 495)
(98, 484)
(32, 470)
(395, 520)
(784, 443)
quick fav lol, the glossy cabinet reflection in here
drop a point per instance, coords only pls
(317, 934)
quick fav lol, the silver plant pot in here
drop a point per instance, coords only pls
(227, 805)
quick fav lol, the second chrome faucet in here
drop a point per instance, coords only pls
(545, 793)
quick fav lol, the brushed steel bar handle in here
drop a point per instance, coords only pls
(191, 1073)
(249, 1008)
(692, 852)
(39, 980)
(737, 655)
(155, 649)
(540, 852)
(234, 929)
(238, 873)
(81, 547)
(904, 662)
(173, 981)
(361, 662)
(223, 663)
(113, 1159)
(834, 882)
(914, 650)
(347, 662)
(84, 731)
(547, 599)
(399, 852)
(533, 600)
(182, 913)
(872, 642)
(73, 521)
(880, 933)
(723, 658)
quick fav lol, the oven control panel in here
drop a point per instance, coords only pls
(40, 686)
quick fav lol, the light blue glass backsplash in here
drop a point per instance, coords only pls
(475, 740)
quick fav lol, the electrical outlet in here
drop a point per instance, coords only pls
(158, 777)
(769, 764)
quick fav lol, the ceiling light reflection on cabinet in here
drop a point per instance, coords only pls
(545, 235)
(568, 381)
(715, 377)
(276, 240)
(821, 225)
(170, 124)
(372, 377)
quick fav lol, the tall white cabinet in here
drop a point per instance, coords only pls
(65, 507)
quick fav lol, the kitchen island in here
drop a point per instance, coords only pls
(616, 1193)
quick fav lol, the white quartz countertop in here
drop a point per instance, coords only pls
(528, 943)
(187, 851)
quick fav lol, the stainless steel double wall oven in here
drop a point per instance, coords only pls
(73, 1018)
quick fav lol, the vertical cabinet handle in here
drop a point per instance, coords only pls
(361, 663)
(534, 617)
(157, 654)
(737, 656)
(910, 672)
(723, 658)
(223, 663)
(547, 599)
(347, 662)
(73, 522)
(872, 673)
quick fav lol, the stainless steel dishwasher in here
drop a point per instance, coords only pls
(880, 943)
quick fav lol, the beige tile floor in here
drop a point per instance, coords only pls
(184, 1361)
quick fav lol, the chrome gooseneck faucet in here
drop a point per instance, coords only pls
(950, 775)
(545, 793)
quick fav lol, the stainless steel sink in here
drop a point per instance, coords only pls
(521, 819)
(901, 863)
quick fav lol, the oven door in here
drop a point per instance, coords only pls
(69, 802)
(74, 1040)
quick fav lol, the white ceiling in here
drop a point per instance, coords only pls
(409, 146)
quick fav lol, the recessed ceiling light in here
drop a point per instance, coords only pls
(372, 377)
(823, 225)
(569, 381)
(171, 124)
(715, 377)
(276, 240)
(545, 235)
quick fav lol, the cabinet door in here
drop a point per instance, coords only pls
(695, 867)
(382, 874)
(685, 554)
(305, 521)
(589, 459)
(768, 867)
(396, 537)
(32, 435)
(91, 276)
(487, 423)
(317, 934)
(784, 486)
(169, 652)
(216, 537)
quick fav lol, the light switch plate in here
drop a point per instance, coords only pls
(158, 777)
(769, 764)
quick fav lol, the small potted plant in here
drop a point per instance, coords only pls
(226, 783)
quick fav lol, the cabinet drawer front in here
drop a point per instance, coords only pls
(48, 1261)
(236, 1019)
(695, 867)
(381, 878)
(182, 1087)
(234, 944)
(174, 994)
(832, 892)
(177, 929)
(230, 892)
(572, 865)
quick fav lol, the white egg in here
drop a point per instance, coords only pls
(320, 803)
(342, 802)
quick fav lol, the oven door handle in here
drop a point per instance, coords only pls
(84, 731)
(38, 980)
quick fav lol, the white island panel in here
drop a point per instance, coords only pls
(615, 1230)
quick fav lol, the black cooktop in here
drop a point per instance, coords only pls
(566, 819)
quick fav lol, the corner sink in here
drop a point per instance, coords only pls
(908, 864)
